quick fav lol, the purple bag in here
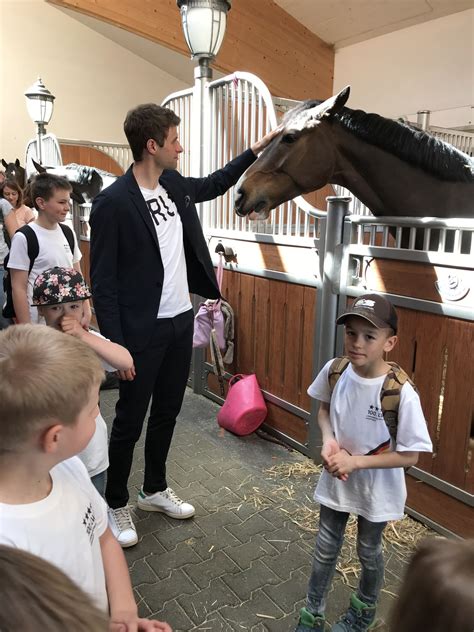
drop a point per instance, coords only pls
(209, 317)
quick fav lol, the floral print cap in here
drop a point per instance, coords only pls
(59, 285)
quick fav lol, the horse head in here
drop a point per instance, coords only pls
(300, 159)
(86, 182)
(14, 171)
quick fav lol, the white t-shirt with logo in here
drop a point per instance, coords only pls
(169, 231)
(95, 455)
(54, 250)
(64, 528)
(359, 427)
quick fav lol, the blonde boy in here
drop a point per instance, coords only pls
(49, 388)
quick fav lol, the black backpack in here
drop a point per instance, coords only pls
(32, 245)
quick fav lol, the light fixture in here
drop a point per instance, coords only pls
(40, 104)
(204, 23)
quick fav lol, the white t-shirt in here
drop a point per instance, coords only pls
(169, 231)
(359, 427)
(95, 455)
(64, 528)
(54, 250)
(5, 209)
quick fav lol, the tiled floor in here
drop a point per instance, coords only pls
(241, 563)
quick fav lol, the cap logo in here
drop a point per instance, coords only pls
(365, 302)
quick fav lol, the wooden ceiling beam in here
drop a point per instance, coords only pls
(260, 38)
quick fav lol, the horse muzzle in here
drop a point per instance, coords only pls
(243, 207)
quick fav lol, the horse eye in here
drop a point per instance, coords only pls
(289, 138)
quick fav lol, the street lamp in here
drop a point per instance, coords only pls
(204, 23)
(40, 104)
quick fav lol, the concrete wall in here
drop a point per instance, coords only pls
(95, 81)
(424, 67)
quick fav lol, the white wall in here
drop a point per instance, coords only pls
(95, 81)
(424, 67)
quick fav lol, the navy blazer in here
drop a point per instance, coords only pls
(126, 267)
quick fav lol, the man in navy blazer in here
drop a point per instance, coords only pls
(148, 252)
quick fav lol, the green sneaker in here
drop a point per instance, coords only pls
(358, 618)
(309, 622)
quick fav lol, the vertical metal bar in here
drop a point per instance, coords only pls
(338, 208)
(398, 237)
(329, 250)
(426, 239)
(202, 74)
(442, 240)
(457, 242)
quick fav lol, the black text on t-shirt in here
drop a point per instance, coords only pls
(158, 208)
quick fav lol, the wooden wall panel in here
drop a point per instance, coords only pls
(434, 351)
(260, 38)
(274, 338)
(451, 462)
(445, 510)
(300, 261)
(90, 156)
(414, 279)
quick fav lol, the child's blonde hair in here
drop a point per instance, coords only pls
(38, 596)
(45, 376)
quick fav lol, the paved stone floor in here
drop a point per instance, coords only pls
(241, 563)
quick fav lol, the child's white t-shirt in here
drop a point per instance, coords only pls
(169, 232)
(95, 455)
(359, 427)
(64, 528)
(54, 250)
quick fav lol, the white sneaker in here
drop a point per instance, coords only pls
(167, 502)
(121, 524)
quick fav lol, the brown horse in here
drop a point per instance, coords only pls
(394, 169)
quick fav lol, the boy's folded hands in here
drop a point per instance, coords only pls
(336, 460)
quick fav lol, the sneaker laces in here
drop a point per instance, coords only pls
(122, 518)
(172, 496)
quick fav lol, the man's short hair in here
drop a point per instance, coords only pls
(148, 121)
(46, 377)
(44, 185)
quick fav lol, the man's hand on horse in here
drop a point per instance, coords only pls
(260, 145)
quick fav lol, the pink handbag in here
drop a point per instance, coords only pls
(209, 317)
(244, 409)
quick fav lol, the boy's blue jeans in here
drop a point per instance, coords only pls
(332, 525)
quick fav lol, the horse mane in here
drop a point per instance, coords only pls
(408, 143)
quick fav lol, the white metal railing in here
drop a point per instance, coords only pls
(50, 150)
(434, 240)
(464, 141)
(240, 111)
(120, 152)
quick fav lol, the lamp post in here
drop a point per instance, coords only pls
(40, 104)
(204, 23)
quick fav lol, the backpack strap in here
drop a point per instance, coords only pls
(32, 244)
(390, 396)
(67, 232)
(337, 368)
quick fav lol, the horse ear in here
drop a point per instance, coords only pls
(39, 168)
(334, 104)
(4, 163)
(17, 163)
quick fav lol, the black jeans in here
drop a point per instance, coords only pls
(162, 370)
